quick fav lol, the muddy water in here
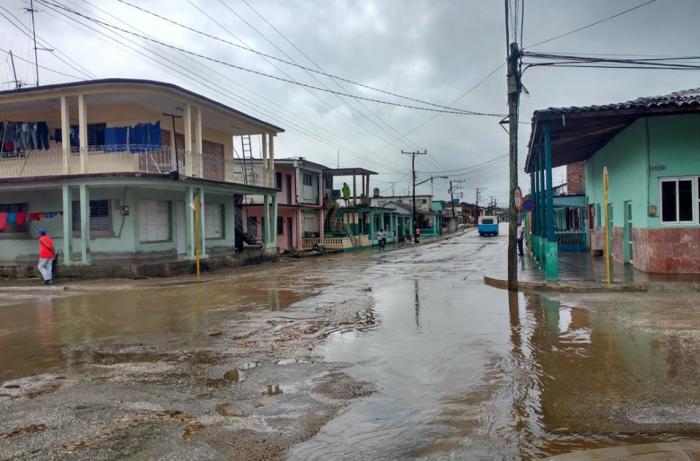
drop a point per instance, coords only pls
(465, 371)
(37, 335)
(461, 370)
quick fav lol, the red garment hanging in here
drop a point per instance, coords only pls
(21, 218)
(3, 220)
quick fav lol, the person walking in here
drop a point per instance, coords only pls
(47, 252)
(520, 234)
(346, 193)
(417, 235)
(381, 239)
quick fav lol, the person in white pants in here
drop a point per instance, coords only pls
(46, 254)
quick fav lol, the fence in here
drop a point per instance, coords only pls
(127, 159)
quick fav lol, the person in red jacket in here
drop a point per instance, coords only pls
(46, 254)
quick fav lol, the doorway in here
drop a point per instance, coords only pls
(181, 229)
(290, 234)
(629, 254)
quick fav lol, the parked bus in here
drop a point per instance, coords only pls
(488, 225)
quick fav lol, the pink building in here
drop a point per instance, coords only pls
(304, 196)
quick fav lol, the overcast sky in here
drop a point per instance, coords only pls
(431, 50)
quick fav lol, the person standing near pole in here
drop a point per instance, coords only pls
(520, 235)
(46, 254)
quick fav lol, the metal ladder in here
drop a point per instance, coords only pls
(247, 151)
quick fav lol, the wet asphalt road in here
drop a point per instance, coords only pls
(452, 369)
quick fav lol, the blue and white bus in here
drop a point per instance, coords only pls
(488, 225)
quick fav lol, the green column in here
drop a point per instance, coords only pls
(202, 224)
(541, 214)
(189, 214)
(84, 225)
(266, 214)
(551, 266)
(274, 220)
(67, 225)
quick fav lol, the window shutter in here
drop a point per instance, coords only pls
(213, 221)
(154, 220)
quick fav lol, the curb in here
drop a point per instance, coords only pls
(569, 287)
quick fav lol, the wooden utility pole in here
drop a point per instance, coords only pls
(14, 71)
(413, 172)
(452, 196)
(514, 88)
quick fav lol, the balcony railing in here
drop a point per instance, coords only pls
(128, 159)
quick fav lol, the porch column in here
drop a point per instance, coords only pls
(82, 132)
(84, 225)
(299, 228)
(551, 268)
(273, 229)
(541, 214)
(265, 164)
(266, 215)
(271, 158)
(189, 158)
(199, 148)
(65, 135)
(201, 224)
(354, 190)
(321, 224)
(189, 215)
(67, 224)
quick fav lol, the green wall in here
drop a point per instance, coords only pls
(669, 144)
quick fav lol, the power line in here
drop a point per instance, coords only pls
(224, 91)
(43, 67)
(446, 109)
(588, 26)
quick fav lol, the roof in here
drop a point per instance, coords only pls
(400, 208)
(349, 171)
(579, 132)
(136, 82)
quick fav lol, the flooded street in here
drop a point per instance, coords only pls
(399, 355)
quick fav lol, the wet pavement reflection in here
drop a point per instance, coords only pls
(461, 370)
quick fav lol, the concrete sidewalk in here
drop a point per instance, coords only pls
(674, 451)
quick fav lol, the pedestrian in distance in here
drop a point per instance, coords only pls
(417, 235)
(346, 193)
(381, 239)
(519, 236)
(47, 253)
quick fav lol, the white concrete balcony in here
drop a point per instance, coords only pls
(127, 159)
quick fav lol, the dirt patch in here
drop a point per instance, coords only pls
(341, 386)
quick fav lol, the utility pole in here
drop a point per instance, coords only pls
(452, 196)
(36, 55)
(413, 172)
(478, 197)
(14, 71)
(514, 88)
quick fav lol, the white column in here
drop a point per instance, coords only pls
(265, 165)
(271, 158)
(67, 224)
(199, 149)
(82, 129)
(65, 134)
(189, 214)
(189, 158)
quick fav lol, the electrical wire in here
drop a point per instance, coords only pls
(207, 82)
(446, 109)
(77, 77)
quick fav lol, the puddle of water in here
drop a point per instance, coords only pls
(37, 335)
(464, 371)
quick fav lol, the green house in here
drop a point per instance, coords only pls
(650, 148)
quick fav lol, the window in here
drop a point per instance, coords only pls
(598, 217)
(329, 182)
(308, 179)
(154, 221)
(280, 225)
(278, 181)
(100, 217)
(677, 204)
(14, 227)
(213, 221)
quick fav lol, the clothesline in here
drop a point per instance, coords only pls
(20, 218)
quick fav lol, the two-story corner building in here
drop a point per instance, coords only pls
(650, 149)
(114, 170)
(304, 197)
